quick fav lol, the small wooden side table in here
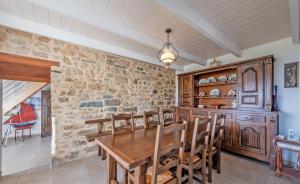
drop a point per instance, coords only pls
(22, 128)
(280, 169)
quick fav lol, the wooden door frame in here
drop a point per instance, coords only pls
(48, 92)
(28, 69)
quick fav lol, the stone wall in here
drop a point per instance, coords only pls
(90, 84)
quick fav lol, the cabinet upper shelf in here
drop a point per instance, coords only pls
(215, 84)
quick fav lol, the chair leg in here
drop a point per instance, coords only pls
(219, 161)
(103, 154)
(125, 175)
(210, 168)
(203, 173)
(190, 175)
(99, 150)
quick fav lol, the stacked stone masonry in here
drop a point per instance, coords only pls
(90, 84)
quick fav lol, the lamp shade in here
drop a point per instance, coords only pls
(168, 54)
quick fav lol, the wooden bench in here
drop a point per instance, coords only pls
(99, 122)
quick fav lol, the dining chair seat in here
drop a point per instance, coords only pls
(214, 149)
(186, 158)
(165, 177)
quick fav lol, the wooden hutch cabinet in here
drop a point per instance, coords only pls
(250, 123)
(185, 90)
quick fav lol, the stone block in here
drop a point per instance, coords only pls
(112, 109)
(112, 102)
(105, 97)
(91, 104)
(130, 109)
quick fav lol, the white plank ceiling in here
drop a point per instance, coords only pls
(246, 23)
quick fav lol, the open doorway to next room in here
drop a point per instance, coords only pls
(26, 126)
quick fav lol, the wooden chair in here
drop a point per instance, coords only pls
(134, 120)
(129, 126)
(158, 173)
(100, 132)
(125, 128)
(168, 116)
(149, 121)
(214, 149)
(196, 158)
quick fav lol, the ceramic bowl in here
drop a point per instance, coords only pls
(202, 93)
(203, 81)
(231, 92)
(232, 77)
(201, 106)
(222, 78)
(212, 79)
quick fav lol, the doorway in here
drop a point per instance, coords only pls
(27, 129)
(46, 124)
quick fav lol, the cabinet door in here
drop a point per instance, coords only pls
(227, 134)
(251, 137)
(185, 90)
(182, 114)
(250, 82)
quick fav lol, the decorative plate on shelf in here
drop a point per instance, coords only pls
(222, 78)
(201, 106)
(202, 93)
(232, 77)
(211, 79)
(215, 92)
(203, 81)
(231, 92)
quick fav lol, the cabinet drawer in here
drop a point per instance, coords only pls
(251, 118)
(227, 115)
(197, 112)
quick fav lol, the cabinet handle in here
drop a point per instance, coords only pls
(249, 118)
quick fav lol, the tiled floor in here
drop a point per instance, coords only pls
(24, 155)
(235, 170)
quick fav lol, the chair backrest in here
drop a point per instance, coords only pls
(134, 121)
(200, 140)
(126, 123)
(217, 128)
(151, 119)
(168, 116)
(176, 144)
(181, 115)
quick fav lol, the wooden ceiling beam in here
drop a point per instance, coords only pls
(185, 11)
(294, 12)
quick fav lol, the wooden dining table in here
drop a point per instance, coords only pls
(134, 150)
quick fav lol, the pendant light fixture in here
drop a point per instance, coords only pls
(168, 54)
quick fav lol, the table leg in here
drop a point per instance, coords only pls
(111, 169)
(140, 174)
(299, 164)
(277, 161)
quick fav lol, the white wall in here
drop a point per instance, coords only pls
(1, 91)
(289, 98)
